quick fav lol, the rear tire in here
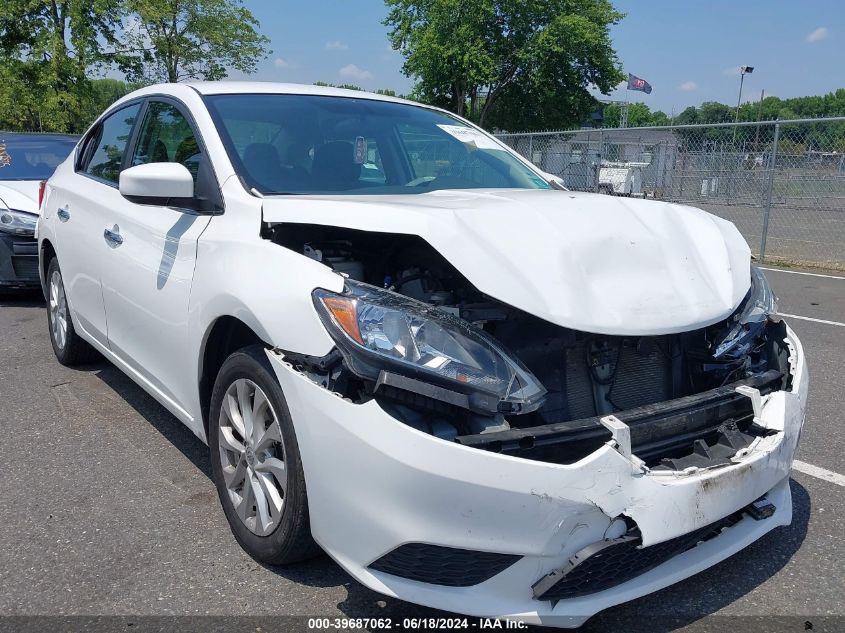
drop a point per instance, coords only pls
(255, 461)
(68, 346)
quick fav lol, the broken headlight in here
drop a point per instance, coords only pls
(381, 331)
(746, 324)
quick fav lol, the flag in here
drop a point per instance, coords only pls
(636, 83)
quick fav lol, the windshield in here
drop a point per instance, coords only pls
(32, 157)
(316, 144)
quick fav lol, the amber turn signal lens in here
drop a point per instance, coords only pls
(344, 312)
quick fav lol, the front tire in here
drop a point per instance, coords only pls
(68, 346)
(255, 461)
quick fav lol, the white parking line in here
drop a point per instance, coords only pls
(819, 473)
(798, 272)
(803, 318)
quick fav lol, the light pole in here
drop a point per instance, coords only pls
(743, 70)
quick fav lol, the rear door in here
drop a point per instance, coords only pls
(82, 200)
(147, 272)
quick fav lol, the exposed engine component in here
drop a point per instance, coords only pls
(338, 255)
(585, 375)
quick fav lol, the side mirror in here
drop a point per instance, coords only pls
(155, 183)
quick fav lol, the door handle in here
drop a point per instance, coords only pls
(113, 235)
(63, 213)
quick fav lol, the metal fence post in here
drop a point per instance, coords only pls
(531, 149)
(599, 157)
(767, 206)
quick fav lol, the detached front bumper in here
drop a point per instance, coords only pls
(18, 262)
(375, 484)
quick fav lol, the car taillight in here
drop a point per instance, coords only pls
(41, 187)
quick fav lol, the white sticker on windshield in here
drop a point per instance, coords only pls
(470, 136)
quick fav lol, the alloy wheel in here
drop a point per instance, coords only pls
(58, 310)
(252, 453)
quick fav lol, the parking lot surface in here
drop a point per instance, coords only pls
(108, 508)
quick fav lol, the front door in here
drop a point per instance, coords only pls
(152, 250)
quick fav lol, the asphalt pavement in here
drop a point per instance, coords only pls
(107, 507)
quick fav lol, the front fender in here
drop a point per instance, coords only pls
(268, 287)
(264, 285)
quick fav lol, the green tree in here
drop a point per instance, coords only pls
(387, 92)
(639, 115)
(512, 64)
(47, 51)
(102, 93)
(174, 40)
(344, 86)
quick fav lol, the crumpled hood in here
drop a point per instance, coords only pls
(20, 194)
(588, 262)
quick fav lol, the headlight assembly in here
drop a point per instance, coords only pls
(380, 332)
(17, 222)
(747, 323)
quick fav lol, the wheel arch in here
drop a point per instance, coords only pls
(226, 334)
(46, 253)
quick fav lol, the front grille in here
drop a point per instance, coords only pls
(25, 266)
(445, 566)
(622, 561)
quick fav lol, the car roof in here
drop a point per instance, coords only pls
(267, 87)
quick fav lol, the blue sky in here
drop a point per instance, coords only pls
(689, 51)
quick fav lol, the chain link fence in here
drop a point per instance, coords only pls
(781, 182)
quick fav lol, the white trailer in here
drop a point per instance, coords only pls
(621, 178)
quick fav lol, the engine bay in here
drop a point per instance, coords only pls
(586, 375)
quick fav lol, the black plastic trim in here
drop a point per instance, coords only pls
(654, 428)
(445, 566)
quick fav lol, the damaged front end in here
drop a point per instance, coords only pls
(536, 471)
(451, 362)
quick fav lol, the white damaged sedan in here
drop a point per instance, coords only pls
(405, 346)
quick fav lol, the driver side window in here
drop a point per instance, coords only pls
(167, 137)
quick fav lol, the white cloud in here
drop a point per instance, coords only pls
(336, 46)
(818, 35)
(281, 63)
(688, 86)
(351, 71)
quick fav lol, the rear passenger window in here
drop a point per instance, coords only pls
(109, 142)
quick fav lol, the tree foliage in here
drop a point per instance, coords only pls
(381, 91)
(51, 51)
(512, 64)
(794, 138)
(639, 115)
(47, 50)
(176, 40)
(772, 108)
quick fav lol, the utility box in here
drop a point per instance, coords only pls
(621, 178)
